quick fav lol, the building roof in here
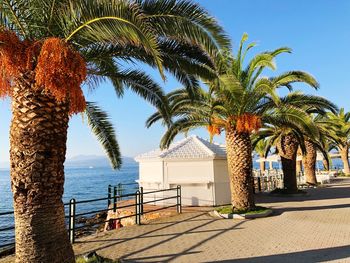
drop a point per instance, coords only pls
(192, 147)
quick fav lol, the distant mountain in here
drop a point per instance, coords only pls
(82, 161)
(94, 161)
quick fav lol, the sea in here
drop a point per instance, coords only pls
(80, 184)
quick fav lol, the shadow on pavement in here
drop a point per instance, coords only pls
(310, 256)
(170, 257)
(279, 211)
(326, 193)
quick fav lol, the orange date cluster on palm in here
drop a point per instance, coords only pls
(248, 123)
(58, 69)
(214, 130)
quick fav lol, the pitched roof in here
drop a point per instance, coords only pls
(192, 147)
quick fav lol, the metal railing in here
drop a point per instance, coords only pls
(120, 189)
(5, 229)
(115, 194)
(113, 199)
(267, 183)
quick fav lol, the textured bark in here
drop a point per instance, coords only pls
(37, 151)
(262, 165)
(239, 158)
(287, 149)
(325, 164)
(309, 162)
(344, 154)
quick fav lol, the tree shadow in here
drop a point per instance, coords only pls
(198, 221)
(169, 257)
(309, 256)
(117, 241)
(169, 237)
(325, 193)
(279, 211)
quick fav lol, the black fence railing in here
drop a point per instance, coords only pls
(121, 190)
(267, 183)
(5, 229)
(112, 199)
(115, 194)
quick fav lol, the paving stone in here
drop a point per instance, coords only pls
(315, 228)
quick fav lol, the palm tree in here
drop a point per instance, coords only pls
(327, 145)
(235, 103)
(261, 148)
(48, 49)
(325, 132)
(341, 135)
(289, 134)
(309, 162)
(286, 136)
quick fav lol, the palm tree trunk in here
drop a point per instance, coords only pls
(262, 165)
(344, 154)
(287, 149)
(37, 151)
(309, 162)
(240, 165)
(325, 164)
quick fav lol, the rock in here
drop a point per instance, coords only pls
(101, 215)
(93, 224)
(7, 251)
(81, 220)
(125, 221)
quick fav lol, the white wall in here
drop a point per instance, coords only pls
(194, 177)
(222, 185)
(151, 171)
(151, 178)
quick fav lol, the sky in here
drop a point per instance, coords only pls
(317, 31)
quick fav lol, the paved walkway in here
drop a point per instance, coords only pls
(303, 229)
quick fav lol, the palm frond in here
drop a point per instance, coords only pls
(259, 62)
(290, 77)
(181, 125)
(103, 129)
(185, 20)
(113, 21)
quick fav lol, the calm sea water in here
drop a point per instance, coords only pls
(80, 183)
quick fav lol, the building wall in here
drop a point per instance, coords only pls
(196, 179)
(151, 171)
(203, 182)
(151, 178)
(222, 185)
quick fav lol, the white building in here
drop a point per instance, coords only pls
(200, 167)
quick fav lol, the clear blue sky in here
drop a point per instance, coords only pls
(317, 31)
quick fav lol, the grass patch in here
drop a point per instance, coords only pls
(224, 209)
(259, 210)
(95, 259)
(287, 192)
(229, 210)
(342, 174)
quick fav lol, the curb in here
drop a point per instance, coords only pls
(215, 213)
